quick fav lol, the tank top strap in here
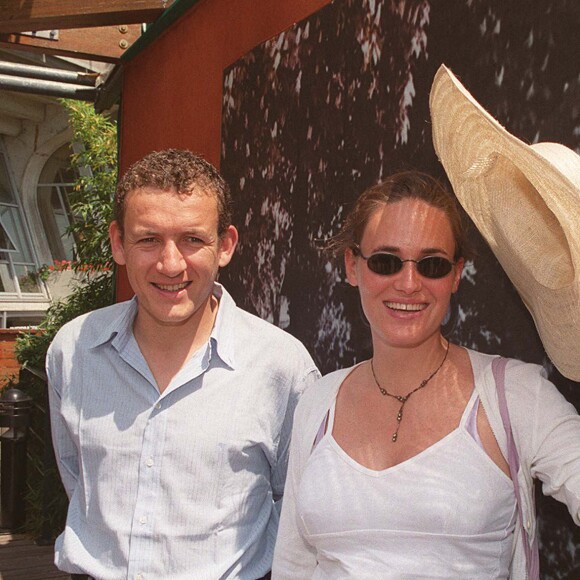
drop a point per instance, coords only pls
(469, 418)
(325, 425)
(470, 409)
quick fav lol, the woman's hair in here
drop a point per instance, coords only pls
(404, 185)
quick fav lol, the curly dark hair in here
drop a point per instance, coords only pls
(399, 186)
(179, 170)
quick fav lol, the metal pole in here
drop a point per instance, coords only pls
(49, 74)
(50, 88)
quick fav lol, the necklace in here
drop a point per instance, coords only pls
(403, 399)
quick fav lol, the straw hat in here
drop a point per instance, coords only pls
(525, 201)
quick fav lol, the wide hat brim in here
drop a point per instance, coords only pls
(525, 201)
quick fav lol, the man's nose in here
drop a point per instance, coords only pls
(171, 261)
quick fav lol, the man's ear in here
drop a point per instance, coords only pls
(350, 267)
(116, 238)
(227, 245)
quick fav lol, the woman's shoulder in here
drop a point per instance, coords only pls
(526, 384)
(515, 369)
(324, 387)
(318, 396)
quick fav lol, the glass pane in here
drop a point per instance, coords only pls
(27, 279)
(58, 169)
(11, 221)
(56, 180)
(56, 220)
(6, 194)
(62, 222)
(66, 174)
(6, 242)
(6, 279)
(22, 320)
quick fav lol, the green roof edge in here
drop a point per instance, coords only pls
(167, 18)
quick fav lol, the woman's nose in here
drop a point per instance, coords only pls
(408, 279)
(171, 261)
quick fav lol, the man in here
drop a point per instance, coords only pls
(171, 413)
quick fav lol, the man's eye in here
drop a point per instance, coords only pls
(147, 240)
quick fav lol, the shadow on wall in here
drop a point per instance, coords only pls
(340, 100)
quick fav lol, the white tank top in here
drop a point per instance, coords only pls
(448, 512)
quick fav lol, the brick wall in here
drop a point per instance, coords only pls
(8, 364)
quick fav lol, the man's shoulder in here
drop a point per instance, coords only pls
(253, 325)
(91, 326)
(257, 341)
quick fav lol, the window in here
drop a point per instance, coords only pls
(55, 182)
(17, 265)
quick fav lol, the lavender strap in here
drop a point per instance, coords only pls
(321, 431)
(532, 558)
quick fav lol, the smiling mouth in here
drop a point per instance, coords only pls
(406, 307)
(172, 287)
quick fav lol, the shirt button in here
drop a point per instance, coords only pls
(158, 406)
(150, 462)
(138, 577)
(142, 520)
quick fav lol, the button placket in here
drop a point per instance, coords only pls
(142, 544)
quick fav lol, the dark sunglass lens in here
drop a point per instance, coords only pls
(434, 267)
(384, 264)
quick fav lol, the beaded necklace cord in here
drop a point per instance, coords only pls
(404, 398)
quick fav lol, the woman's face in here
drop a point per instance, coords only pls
(405, 309)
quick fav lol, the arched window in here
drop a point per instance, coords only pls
(54, 185)
(17, 265)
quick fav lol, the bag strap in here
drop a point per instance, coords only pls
(532, 557)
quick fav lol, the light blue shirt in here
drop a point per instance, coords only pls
(180, 485)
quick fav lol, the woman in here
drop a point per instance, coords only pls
(395, 466)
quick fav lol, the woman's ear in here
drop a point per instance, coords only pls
(457, 274)
(350, 267)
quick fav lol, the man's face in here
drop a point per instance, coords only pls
(172, 252)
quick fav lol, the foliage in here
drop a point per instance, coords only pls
(91, 204)
(91, 198)
(8, 380)
(44, 272)
(31, 346)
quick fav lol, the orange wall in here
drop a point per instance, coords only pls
(172, 90)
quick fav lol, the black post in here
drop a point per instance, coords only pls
(15, 409)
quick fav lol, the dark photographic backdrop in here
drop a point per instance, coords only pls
(317, 114)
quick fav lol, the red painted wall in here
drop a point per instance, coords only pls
(172, 90)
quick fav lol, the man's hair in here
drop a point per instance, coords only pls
(404, 185)
(176, 170)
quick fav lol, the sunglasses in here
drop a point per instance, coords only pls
(385, 264)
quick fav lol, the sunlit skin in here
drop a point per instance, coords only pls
(407, 344)
(172, 252)
(410, 229)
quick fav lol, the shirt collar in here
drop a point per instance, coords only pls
(119, 329)
(222, 336)
(118, 324)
